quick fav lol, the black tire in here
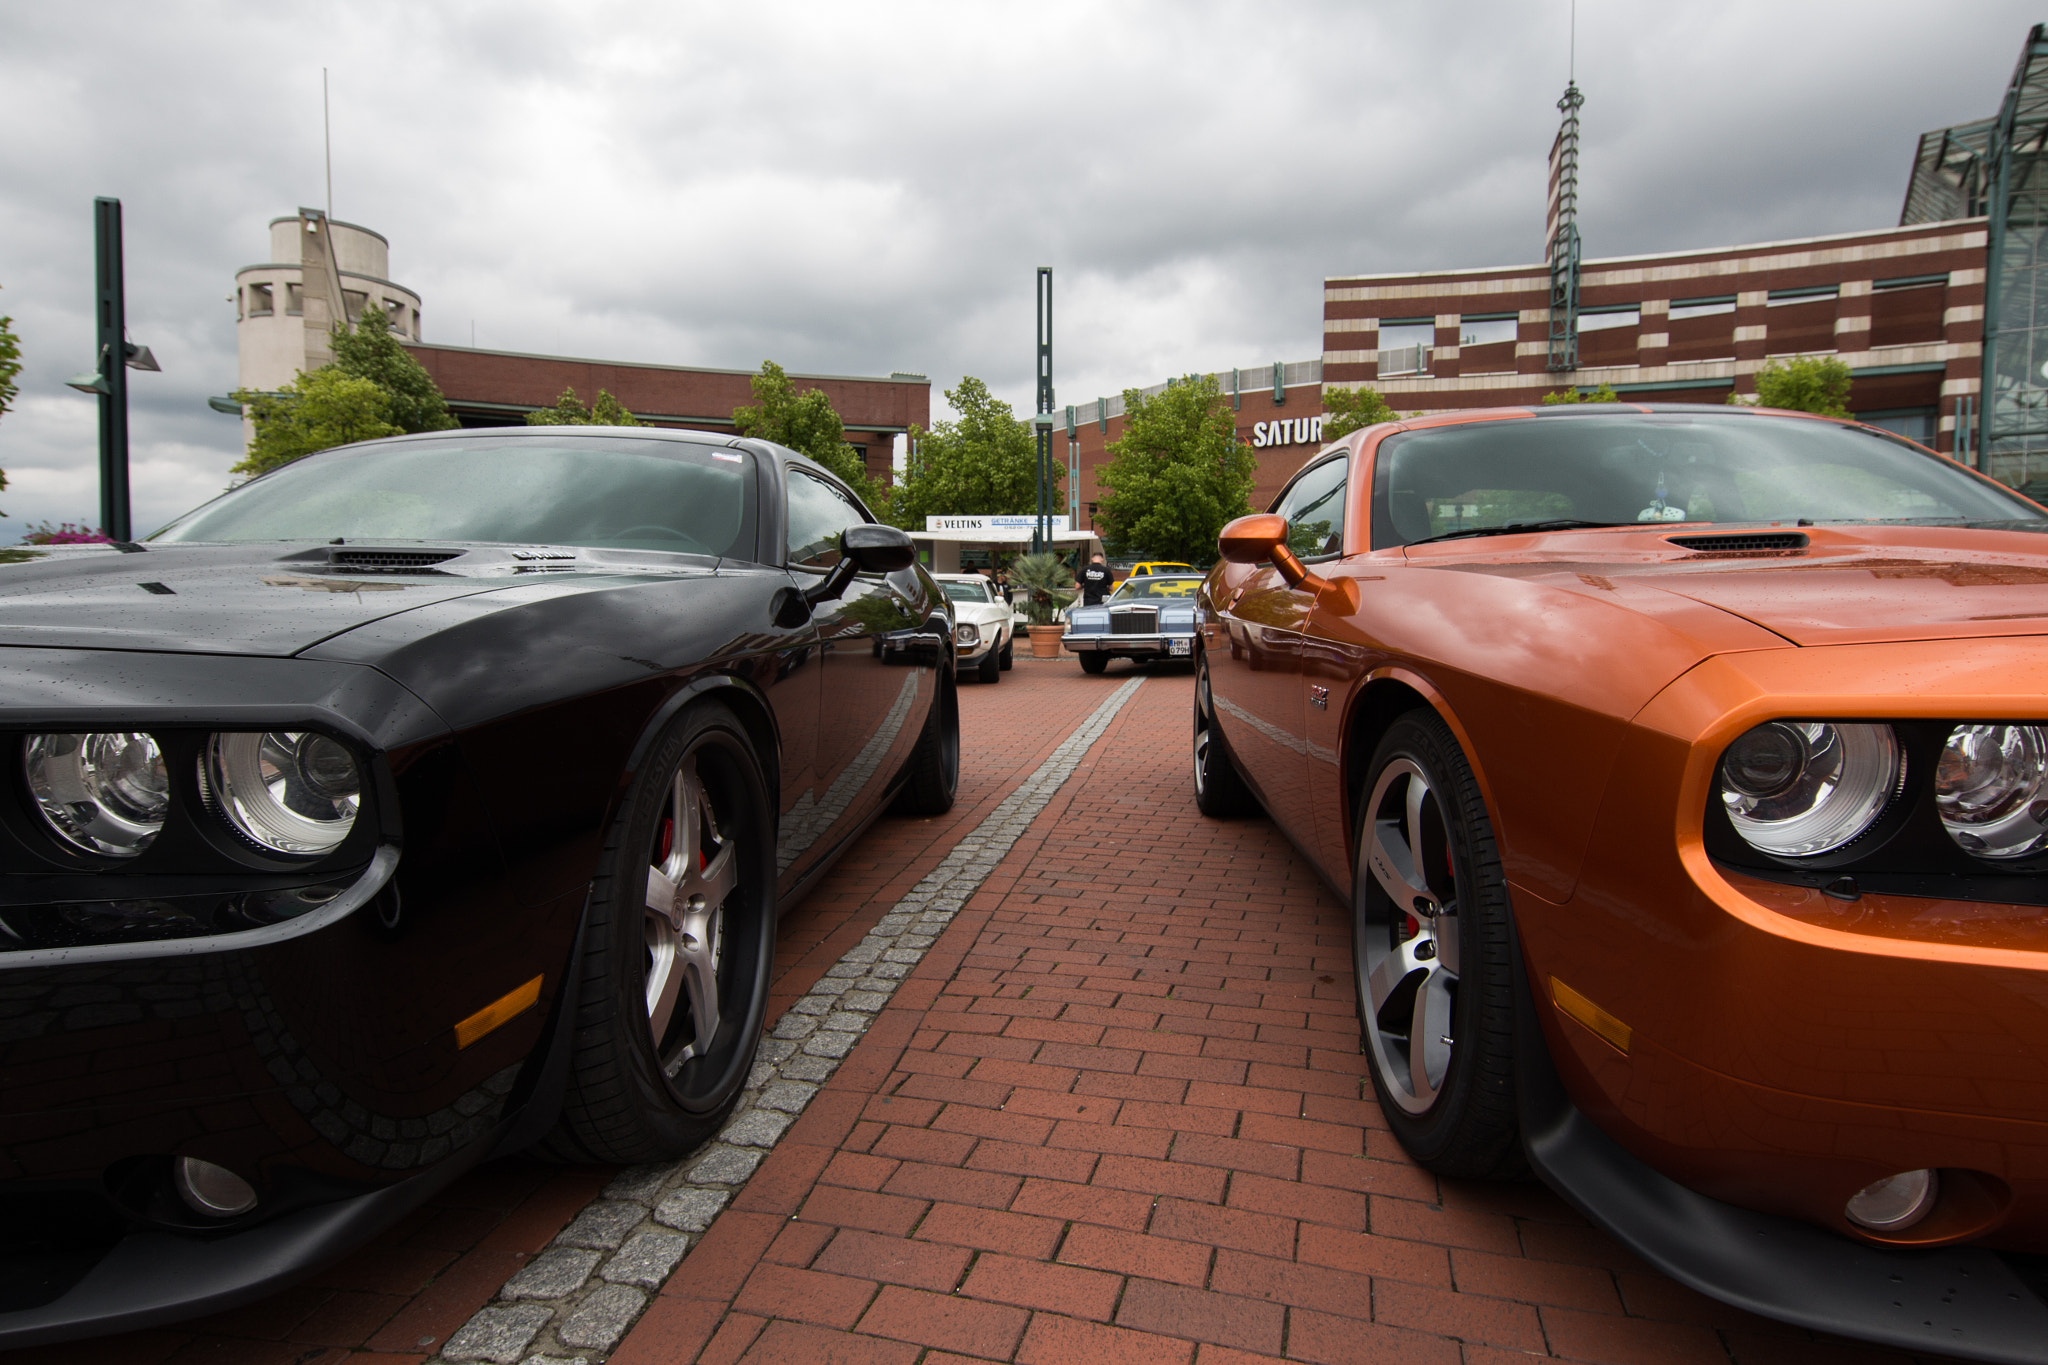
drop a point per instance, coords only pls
(1008, 643)
(1094, 663)
(643, 1085)
(935, 763)
(1440, 966)
(1220, 791)
(991, 669)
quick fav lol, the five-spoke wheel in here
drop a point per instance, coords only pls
(1431, 944)
(677, 947)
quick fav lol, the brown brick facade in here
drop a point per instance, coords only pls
(1902, 306)
(493, 388)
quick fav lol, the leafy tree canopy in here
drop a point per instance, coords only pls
(1805, 383)
(1604, 394)
(1177, 474)
(319, 409)
(983, 464)
(569, 411)
(372, 388)
(807, 424)
(1347, 410)
(10, 366)
(411, 401)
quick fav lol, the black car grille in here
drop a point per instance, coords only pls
(1143, 621)
(389, 561)
(1750, 543)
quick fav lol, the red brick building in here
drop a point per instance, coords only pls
(498, 388)
(1903, 307)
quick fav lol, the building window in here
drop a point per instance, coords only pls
(1600, 319)
(394, 313)
(1485, 330)
(294, 299)
(416, 324)
(353, 302)
(1702, 308)
(1779, 298)
(259, 301)
(1915, 424)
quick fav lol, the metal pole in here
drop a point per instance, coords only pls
(1040, 530)
(111, 312)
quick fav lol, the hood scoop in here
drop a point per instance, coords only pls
(1742, 543)
(370, 560)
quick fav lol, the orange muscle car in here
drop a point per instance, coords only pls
(1686, 770)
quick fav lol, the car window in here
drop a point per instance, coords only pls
(1666, 467)
(966, 592)
(818, 512)
(640, 493)
(1153, 588)
(1314, 508)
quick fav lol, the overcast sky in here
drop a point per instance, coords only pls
(860, 188)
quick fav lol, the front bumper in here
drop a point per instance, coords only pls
(1133, 646)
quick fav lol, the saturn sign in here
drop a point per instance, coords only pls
(1289, 431)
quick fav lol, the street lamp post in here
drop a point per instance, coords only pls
(1042, 420)
(108, 379)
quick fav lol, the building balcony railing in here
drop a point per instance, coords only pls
(1412, 360)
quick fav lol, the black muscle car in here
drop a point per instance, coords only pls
(420, 800)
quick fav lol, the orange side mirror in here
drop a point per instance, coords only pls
(1262, 536)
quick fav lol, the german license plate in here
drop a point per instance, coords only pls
(1178, 646)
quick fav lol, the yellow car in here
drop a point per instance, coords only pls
(1153, 566)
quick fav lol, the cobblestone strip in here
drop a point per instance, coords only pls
(574, 1301)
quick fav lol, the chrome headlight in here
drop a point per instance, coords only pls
(1798, 787)
(1989, 787)
(286, 791)
(966, 633)
(105, 793)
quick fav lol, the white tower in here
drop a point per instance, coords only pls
(284, 307)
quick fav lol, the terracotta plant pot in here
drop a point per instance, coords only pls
(1045, 641)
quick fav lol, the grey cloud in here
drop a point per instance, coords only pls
(856, 189)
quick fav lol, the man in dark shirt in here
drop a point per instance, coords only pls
(1094, 582)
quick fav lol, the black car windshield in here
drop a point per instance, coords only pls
(607, 492)
(1651, 468)
(1157, 586)
(966, 592)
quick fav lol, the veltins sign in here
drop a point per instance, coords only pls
(1288, 431)
(1054, 525)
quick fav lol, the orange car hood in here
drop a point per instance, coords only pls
(1850, 585)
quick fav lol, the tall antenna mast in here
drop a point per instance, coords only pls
(327, 141)
(1561, 231)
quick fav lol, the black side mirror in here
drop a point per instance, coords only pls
(878, 549)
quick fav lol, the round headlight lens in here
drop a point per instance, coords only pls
(1795, 787)
(1991, 787)
(105, 793)
(966, 633)
(286, 791)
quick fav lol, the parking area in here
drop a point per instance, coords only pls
(1114, 1111)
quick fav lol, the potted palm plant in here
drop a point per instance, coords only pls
(1048, 585)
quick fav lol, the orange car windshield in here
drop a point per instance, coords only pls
(1616, 469)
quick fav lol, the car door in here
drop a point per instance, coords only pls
(1259, 683)
(868, 674)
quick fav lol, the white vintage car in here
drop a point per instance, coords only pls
(981, 625)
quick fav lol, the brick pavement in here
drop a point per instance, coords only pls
(1115, 1114)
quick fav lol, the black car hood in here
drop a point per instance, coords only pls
(269, 600)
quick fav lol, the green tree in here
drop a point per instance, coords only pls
(1347, 410)
(318, 409)
(10, 366)
(569, 411)
(1804, 383)
(1177, 474)
(373, 387)
(411, 401)
(805, 422)
(985, 463)
(1604, 394)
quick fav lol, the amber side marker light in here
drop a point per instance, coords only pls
(503, 1010)
(1609, 1029)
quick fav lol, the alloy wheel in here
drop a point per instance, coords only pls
(1409, 967)
(692, 872)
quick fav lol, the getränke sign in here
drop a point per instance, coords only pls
(1288, 431)
(1054, 525)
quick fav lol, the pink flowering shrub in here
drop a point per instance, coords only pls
(64, 533)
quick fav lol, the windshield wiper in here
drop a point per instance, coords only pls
(1514, 528)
